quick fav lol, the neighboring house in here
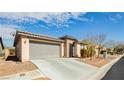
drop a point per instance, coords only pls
(1, 48)
(9, 51)
(97, 47)
(32, 46)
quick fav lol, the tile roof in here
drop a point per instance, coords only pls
(68, 37)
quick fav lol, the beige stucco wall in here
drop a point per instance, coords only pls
(18, 49)
(77, 50)
(24, 49)
(68, 41)
(62, 49)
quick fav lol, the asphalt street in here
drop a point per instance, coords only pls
(116, 72)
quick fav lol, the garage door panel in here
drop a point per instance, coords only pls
(43, 50)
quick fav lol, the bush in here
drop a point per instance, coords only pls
(119, 49)
(89, 52)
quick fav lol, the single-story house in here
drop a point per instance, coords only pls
(30, 46)
(1, 48)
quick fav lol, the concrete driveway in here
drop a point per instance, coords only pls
(65, 68)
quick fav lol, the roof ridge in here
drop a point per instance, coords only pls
(68, 36)
(36, 34)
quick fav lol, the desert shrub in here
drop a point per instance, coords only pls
(119, 49)
(109, 51)
(89, 52)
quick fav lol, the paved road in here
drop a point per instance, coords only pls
(116, 72)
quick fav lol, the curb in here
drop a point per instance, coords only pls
(103, 70)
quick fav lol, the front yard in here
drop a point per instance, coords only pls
(98, 62)
(61, 68)
(11, 67)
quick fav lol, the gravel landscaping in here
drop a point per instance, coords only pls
(60, 68)
(98, 62)
(11, 67)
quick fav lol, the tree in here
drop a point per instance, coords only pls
(12, 34)
(112, 43)
(99, 39)
(119, 49)
(86, 42)
(89, 50)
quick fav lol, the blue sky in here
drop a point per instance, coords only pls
(77, 24)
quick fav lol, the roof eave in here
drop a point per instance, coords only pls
(27, 34)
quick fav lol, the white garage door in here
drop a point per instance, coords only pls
(43, 50)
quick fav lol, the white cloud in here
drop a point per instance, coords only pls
(7, 31)
(115, 18)
(41, 15)
(55, 18)
(112, 19)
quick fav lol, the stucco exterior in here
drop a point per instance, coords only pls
(24, 49)
(23, 39)
(68, 41)
(18, 49)
(78, 50)
(62, 49)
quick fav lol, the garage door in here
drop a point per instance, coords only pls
(43, 50)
